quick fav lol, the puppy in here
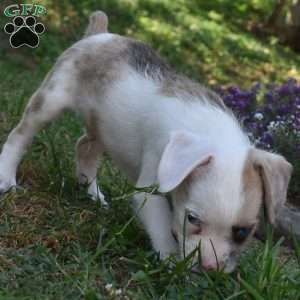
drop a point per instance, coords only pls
(162, 128)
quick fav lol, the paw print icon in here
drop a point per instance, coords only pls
(24, 31)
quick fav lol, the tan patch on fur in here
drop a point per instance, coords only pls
(100, 66)
(253, 194)
(275, 173)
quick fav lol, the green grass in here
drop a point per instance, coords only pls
(57, 244)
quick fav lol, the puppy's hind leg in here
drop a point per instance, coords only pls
(88, 152)
(43, 106)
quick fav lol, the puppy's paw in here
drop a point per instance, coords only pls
(6, 183)
(7, 176)
(96, 195)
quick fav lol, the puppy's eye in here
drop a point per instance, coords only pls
(240, 234)
(193, 219)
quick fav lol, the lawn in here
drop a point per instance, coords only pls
(55, 243)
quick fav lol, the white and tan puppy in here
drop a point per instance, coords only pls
(159, 127)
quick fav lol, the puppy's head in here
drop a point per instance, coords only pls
(217, 196)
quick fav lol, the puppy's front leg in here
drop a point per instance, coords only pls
(155, 214)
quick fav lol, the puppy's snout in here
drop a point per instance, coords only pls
(213, 266)
(213, 254)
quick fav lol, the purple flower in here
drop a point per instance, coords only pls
(267, 138)
(280, 106)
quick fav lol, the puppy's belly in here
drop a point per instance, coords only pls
(122, 140)
(124, 152)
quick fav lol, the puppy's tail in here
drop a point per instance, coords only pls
(98, 23)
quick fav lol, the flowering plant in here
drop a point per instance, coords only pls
(271, 117)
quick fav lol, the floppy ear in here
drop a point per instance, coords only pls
(275, 173)
(184, 152)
